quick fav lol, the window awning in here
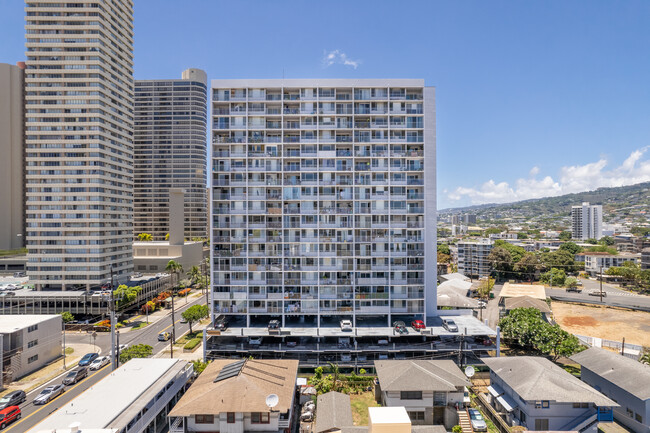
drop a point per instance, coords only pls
(495, 390)
(507, 403)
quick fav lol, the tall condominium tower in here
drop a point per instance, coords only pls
(79, 142)
(587, 221)
(12, 164)
(323, 200)
(170, 152)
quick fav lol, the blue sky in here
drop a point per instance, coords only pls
(533, 98)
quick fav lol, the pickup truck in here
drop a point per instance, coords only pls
(573, 289)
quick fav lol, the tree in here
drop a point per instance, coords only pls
(571, 282)
(645, 358)
(591, 241)
(571, 247)
(195, 313)
(195, 274)
(174, 267)
(516, 252)
(444, 249)
(66, 316)
(602, 249)
(561, 259)
(522, 235)
(500, 260)
(528, 266)
(485, 287)
(136, 351)
(555, 341)
(565, 235)
(145, 237)
(554, 277)
(607, 241)
(148, 308)
(443, 258)
(199, 366)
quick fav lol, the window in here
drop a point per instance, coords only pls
(410, 395)
(416, 416)
(204, 419)
(638, 417)
(541, 424)
(230, 417)
(260, 418)
(32, 359)
(32, 328)
(32, 343)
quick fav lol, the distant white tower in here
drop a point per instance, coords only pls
(587, 221)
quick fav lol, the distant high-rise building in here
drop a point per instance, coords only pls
(587, 221)
(170, 152)
(456, 219)
(473, 257)
(79, 142)
(324, 199)
(12, 163)
(469, 218)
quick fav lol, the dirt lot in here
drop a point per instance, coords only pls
(603, 322)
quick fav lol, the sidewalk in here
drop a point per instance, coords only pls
(158, 314)
(52, 370)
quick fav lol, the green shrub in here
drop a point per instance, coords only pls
(191, 345)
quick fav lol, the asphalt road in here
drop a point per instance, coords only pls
(32, 415)
(615, 297)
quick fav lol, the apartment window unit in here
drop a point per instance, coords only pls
(541, 424)
(32, 359)
(204, 419)
(230, 417)
(260, 418)
(32, 328)
(32, 344)
(410, 395)
(580, 405)
(416, 416)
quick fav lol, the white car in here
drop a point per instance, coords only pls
(478, 423)
(100, 362)
(346, 325)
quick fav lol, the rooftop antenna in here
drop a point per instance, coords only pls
(272, 401)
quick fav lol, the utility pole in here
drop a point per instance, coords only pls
(623, 347)
(173, 322)
(112, 309)
(171, 345)
(117, 349)
(601, 283)
(63, 323)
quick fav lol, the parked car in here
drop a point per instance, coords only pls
(221, 324)
(475, 417)
(346, 325)
(49, 394)
(164, 336)
(274, 326)
(400, 327)
(137, 275)
(9, 415)
(13, 399)
(573, 289)
(346, 357)
(87, 359)
(418, 325)
(75, 376)
(255, 341)
(449, 325)
(20, 274)
(598, 294)
(100, 362)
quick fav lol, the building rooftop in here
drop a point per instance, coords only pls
(388, 415)
(241, 389)
(626, 373)
(124, 390)
(510, 290)
(13, 322)
(453, 276)
(420, 375)
(534, 378)
(527, 302)
(323, 82)
(334, 411)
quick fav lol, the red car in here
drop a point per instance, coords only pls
(418, 325)
(9, 415)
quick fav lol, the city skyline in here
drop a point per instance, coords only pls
(564, 82)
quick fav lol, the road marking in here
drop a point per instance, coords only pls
(48, 404)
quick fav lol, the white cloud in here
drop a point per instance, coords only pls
(575, 178)
(339, 57)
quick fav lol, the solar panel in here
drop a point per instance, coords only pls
(230, 370)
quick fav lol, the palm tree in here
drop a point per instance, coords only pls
(194, 273)
(145, 237)
(175, 268)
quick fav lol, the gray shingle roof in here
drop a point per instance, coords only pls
(333, 410)
(535, 378)
(414, 429)
(527, 302)
(420, 375)
(623, 372)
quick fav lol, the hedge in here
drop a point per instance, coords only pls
(191, 345)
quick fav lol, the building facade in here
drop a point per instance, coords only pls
(322, 191)
(473, 257)
(595, 263)
(587, 221)
(645, 258)
(170, 152)
(79, 142)
(12, 165)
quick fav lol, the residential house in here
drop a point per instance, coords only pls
(622, 379)
(537, 394)
(526, 302)
(231, 396)
(428, 389)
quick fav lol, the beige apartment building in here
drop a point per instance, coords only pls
(12, 164)
(170, 152)
(79, 142)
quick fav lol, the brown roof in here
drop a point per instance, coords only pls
(527, 302)
(243, 392)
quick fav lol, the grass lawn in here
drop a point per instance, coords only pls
(573, 369)
(187, 337)
(139, 325)
(360, 404)
(69, 350)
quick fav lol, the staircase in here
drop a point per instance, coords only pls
(463, 421)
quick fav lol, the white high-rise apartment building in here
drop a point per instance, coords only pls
(323, 199)
(170, 152)
(473, 257)
(587, 221)
(79, 141)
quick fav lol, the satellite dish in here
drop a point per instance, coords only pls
(469, 371)
(272, 401)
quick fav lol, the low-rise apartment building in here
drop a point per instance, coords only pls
(473, 257)
(231, 396)
(535, 393)
(28, 342)
(645, 258)
(428, 389)
(597, 262)
(622, 379)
